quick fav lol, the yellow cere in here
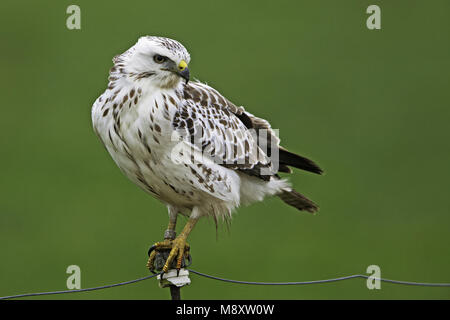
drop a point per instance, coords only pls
(182, 65)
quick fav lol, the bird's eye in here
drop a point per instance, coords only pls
(159, 59)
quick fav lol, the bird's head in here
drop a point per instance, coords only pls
(162, 62)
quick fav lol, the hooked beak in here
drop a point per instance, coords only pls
(183, 70)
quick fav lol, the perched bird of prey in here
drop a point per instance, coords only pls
(187, 145)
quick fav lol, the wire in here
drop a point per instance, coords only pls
(410, 283)
(79, 290)
(274, 283)
(423, 284)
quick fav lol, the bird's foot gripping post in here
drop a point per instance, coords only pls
(170, 255)
(174, 275)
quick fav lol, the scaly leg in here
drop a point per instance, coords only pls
(169, 234)
(178, 247)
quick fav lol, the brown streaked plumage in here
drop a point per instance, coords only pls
(186, 144)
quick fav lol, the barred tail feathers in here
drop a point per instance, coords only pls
(298, 201)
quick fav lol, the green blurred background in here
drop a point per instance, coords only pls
(371, 107)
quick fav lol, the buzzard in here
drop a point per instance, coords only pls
(186, 144)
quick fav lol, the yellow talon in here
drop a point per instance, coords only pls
(178, 247)
(178, 250)
(151, 260)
